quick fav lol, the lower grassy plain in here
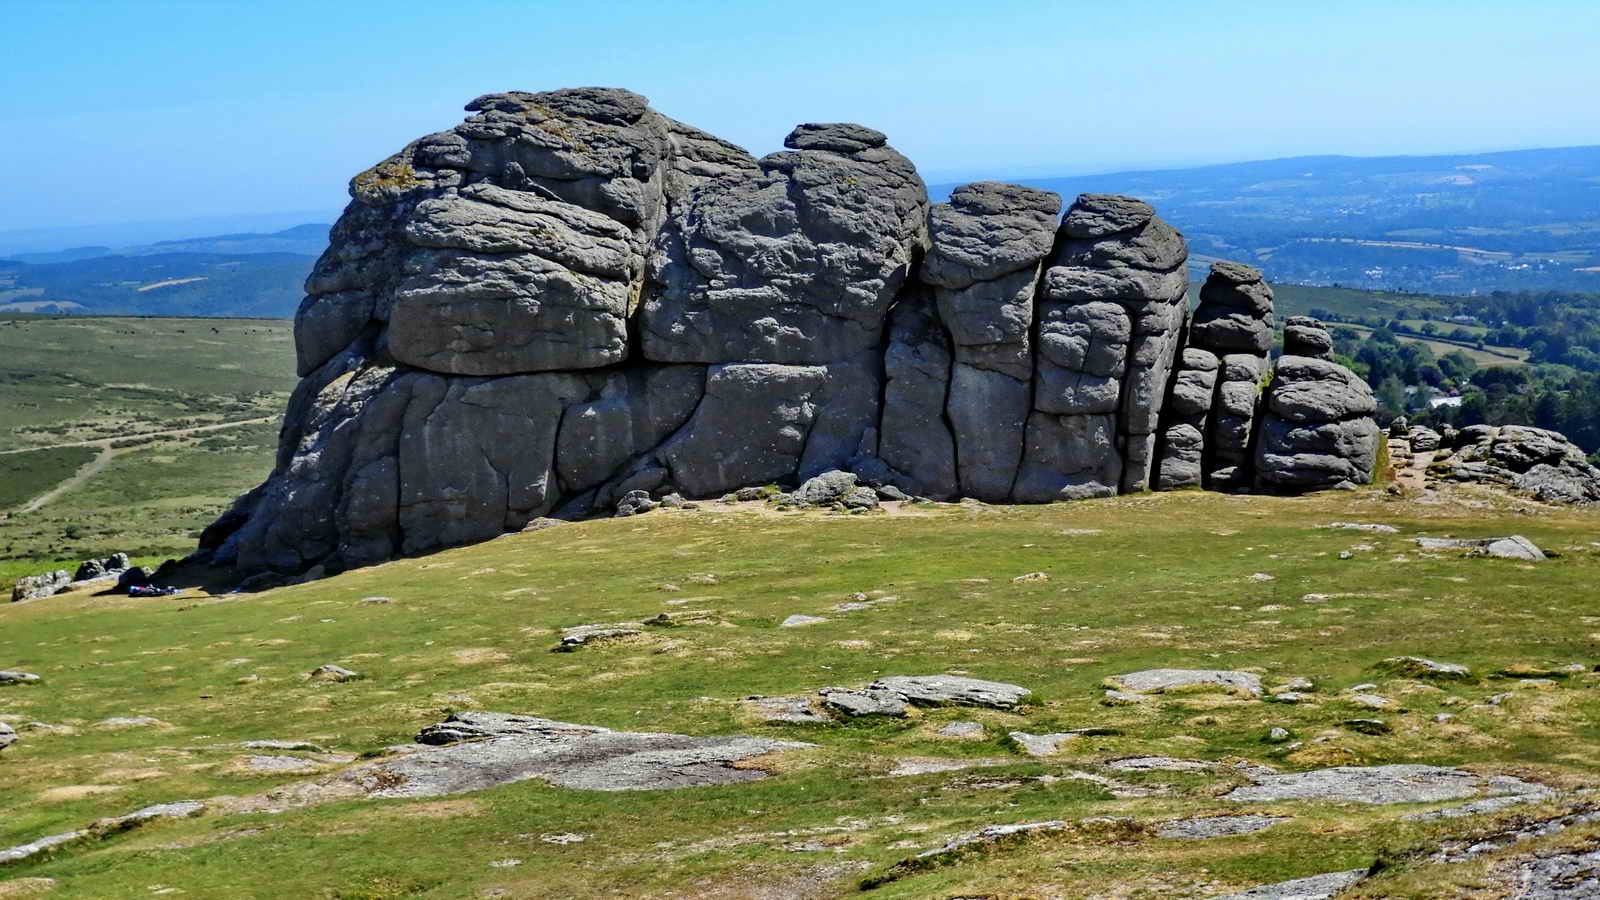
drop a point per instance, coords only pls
(114, 421)
(1185, 579)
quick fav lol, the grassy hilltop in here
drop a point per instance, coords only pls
(1183, 579)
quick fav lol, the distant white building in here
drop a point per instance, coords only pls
(1437, 402)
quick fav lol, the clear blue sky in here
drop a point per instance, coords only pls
(145, 110)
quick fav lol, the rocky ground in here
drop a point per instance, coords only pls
(1161, 695)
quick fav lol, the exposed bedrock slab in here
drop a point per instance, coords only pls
(1305, 336)
(794, 263)
(501, 281)
(988, 230)
(1405, 783)
(1217, 826)
(1315, 887)
(1158, 681)
(477, 750)
(637, 409)
(940, 690)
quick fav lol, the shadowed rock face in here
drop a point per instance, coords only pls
(570, 297)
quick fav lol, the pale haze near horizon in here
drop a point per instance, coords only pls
(123, 112)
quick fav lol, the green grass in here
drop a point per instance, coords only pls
(1299, 300)
(149, 501)
(84, 378)
(24, 476)
(1134, 582)
(107, 380)
(1490, 356)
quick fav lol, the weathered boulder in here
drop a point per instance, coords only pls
(1318, 429)
(1110, 319)
(1539, 461)
(32, 587)
(1305, 336)
(794, 261)
(8, 735)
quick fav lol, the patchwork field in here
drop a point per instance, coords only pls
(1056, 599)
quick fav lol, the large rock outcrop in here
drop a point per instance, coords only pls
(570, 298)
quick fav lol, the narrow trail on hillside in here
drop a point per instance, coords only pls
(176, 432)
(89, 469)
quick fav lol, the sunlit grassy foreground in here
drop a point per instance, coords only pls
(1187, 580)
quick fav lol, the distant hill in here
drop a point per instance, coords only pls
(1518, 220)
(303, 240)
(160, 284)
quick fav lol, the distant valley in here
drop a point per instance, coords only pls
(248, 274)
(1526, 220)
(1457, 224)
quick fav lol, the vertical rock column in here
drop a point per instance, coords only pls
(1185, 420)
(1234, 323)
(986, 247)
(1317, 429)
(1111, 310)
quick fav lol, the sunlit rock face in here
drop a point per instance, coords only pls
(569, 297)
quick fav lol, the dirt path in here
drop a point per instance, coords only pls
(107, 453)
(176, 432)
(88, 471)
(1415, 476)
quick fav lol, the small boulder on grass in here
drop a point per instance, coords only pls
(333, 673)
(1424, 669)
(1166, 681)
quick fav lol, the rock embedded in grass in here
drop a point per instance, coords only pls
(18, 677)
(966, 731)
(1368, 726)
(785, 711)
(869, 702)
(46, 846)
(942, 690)
(331, 672)
(1160, 764)
(1512, 547)
(283, 745)
(1314, 887)
(584, 635)
(797, 621)
(1042, 744)
(1217, 826)
(131, 722)
(1160, 681)
(492, 749)
(8, 735)
(1402, 783)
(1418, 667)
